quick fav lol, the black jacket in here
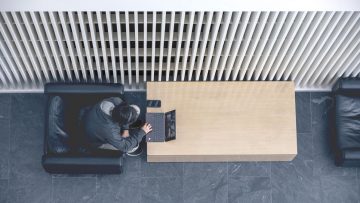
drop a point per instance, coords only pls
(101, 129)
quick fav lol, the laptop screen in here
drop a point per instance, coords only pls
(170, 125)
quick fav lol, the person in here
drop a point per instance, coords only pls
(106, 126)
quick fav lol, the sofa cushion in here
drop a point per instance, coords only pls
(348, 122)
(57, 137)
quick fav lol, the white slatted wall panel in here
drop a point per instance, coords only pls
(313, 49)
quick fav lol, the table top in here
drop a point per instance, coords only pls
(226, 121)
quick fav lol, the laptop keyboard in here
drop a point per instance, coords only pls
(157, 121)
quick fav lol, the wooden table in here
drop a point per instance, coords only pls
(226, 121)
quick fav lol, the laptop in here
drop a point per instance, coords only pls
(163, 125)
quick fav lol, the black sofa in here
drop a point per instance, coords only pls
(346, 122)
(65, 150)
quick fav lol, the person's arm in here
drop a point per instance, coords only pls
(128, 143)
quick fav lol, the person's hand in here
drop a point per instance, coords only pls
(147, 128)
(125, 134)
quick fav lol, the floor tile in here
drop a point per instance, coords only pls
(205, 182)
(4, 148)
(162, 190)
(28, 105)
(161, 169)
(26, 142)
(303, 123)
(73, 189)
(132, 166)
(339, 189)
(294, 182)
(249, 169)
(305, 146)
(5, 101)
(4, 190)
(30, 189)
(249, 189)
(118, 188)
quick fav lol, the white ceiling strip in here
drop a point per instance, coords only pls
(120, 49)
(220, 44)
(195, 43)
(103, 46)
(111, 43)
(187, 45)
(76, 35)
(179, 43)
(261, 44)
(229, 42)
(29, 51)
(203, 42)
(270, 44)
(236, 47)
(85, 39)
(162, 34)
(254, 43)
(246, 42)
(214, 33)
(95, 45)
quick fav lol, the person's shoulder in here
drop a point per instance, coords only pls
(114, 100)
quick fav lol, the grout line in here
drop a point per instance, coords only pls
(183, 181)
(8, 191)
(227, 180)
(271, 187)
(74, 177)
(52, 189)
(311, 130)
(9, 135)
(96, 186)
(247, 176)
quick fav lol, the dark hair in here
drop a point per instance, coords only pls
(124, 114)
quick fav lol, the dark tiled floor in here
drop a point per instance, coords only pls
(311, 177)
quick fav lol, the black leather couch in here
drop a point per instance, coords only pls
(346, 122)
(65, 150)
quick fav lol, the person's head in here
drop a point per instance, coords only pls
(125, 114)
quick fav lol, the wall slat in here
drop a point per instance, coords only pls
(311, 48)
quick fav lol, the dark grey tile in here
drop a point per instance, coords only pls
(339, 189)
(28, 106)
(74, 189)
(118, 188)
(161, 169)
(132, 166)
(249, 169)
(303, 114)
(4, 148)
(5, 100)
(294, 182)
(26, 147)
(5, 107)
(4, 190)
(305, 146)
(249, 189)
(321, 104)
(205, 182)
(163, 189)
(30, 189)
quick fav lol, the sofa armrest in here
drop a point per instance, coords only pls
(83, 88)
(347, 158)
(82, 165)
(347, 86)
